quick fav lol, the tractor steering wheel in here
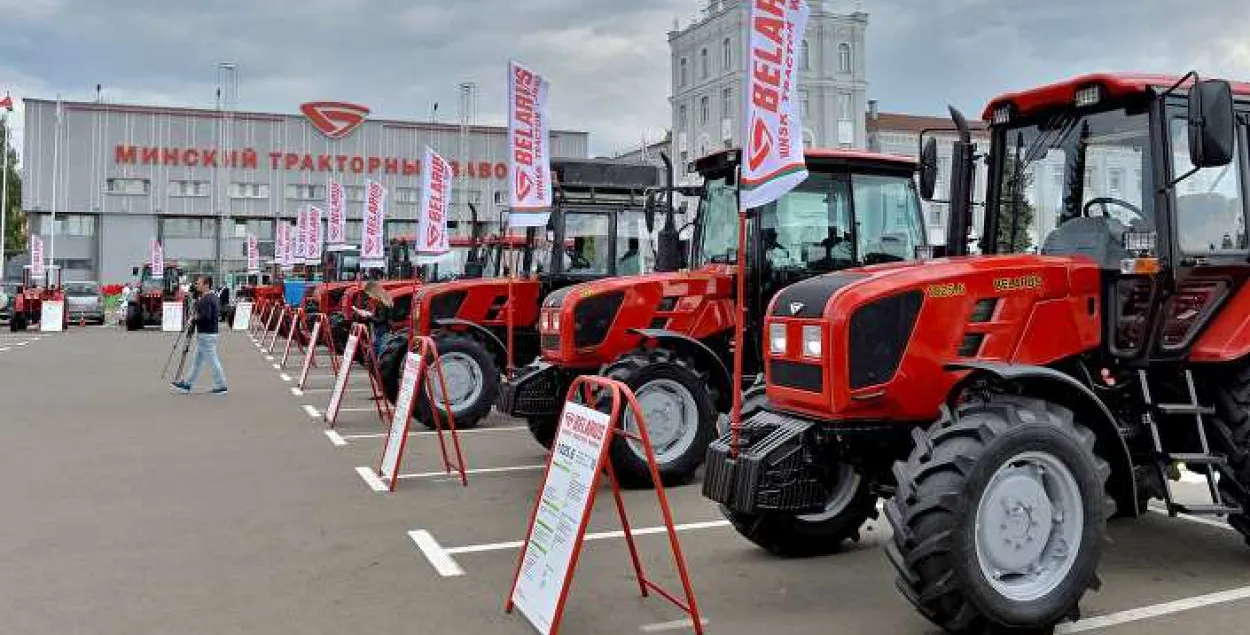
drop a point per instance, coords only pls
(576, 259)
(1104, 200)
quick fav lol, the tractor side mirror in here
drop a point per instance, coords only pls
(1211, 123)
(928, 169)
(134, 271)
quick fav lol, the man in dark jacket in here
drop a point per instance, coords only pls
(207, 315)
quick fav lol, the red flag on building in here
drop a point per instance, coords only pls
(7, 103)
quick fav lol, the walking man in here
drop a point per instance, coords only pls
(207, 314)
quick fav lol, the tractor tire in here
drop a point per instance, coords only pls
(391, 364)
(134, 318)
(543, 429)
(679, 408)
(17, 322)
(851, 504)
(472, 379)
(1000, 516)
(1231, 425)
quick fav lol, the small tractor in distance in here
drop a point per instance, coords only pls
(145, 306)
(28, 302)
(596, 230)
(1007, 404)
(669, 335)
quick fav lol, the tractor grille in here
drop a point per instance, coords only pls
(445, 306)
(593, 317)
(533, 391)
(775, 469)
(551, 341)
(796, 375)
(878, 336)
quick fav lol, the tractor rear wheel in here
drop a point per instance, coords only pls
(1232, 423)
(851, 503)
(472, 381)
(134, 317)
(679, 409)
(999, 516)
(17, 322)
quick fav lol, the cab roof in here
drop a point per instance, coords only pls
(1035, 100)
(729, 157)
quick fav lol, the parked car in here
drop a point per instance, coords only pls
(8, 293)
(84, 301)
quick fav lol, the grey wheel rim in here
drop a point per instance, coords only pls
(672, 417)
(846, 483)
(464, 381)
(1029, 524)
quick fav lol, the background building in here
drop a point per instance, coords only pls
(708, 75)
(201, 180)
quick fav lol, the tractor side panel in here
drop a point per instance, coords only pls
(485, 303)
(1228, 336)
(1057, 329)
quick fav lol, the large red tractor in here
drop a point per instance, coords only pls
(28, 302)
(145, 306)
(1100, 347)
(596, 230)
(669, 335)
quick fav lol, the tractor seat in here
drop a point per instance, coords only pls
(1099, 238)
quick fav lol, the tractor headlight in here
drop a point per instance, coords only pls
(812, 344)
(777, 338)
(549, 320)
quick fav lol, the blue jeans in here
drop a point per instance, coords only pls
(206, 352)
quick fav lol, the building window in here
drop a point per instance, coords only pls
(353, 231)
(1115, 181)
(935, 217)
(704, 65)
(727, 103)
(188, 188)
(844, 107)
(305, 192)
(68, 225)
(727, 54)
(407, 195)
(683, 119)
(805, 57)
(809, 139)
(464, 197)
(128, 186)
(683, 76)
(249, 190)
(188, 227)
(400, 229)
(355, 193)
(805, 102)
(704, 110)
(260, 228)
(844, 57)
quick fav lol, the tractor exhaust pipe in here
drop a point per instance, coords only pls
(963, 155)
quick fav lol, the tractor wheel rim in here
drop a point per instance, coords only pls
(1029, 524)
(846, 483)
(672, 417)
(464, 381)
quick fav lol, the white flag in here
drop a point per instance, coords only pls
(157, 259)
(253, 255)
(300, 253)
(293, 256)
(36, 257)
(435, 201)
(336, 207)
(312, 242)
(529, 157)
(772, 143)
(372, 250)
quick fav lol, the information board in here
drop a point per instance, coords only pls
(308, 354)
(52, 316)
(171, 317)
(560, 518)
(242, 316)
(297, 319)
(340, 381)
(392, 452)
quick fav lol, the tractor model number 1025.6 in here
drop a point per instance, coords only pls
(1007, 404)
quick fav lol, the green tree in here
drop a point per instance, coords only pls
(1015, 210)
(15, 219)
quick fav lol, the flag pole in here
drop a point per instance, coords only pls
(735, 419)
(4, 190)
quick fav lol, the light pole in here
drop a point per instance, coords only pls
(227, 101)
(4, 190)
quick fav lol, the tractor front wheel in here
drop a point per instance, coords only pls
(134, 317)
(472, 381)
(680, 414)
(17, 322)
(999, 516)
(1232, 427)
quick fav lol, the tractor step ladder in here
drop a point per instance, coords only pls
(1209, 464)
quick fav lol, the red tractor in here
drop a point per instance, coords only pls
(145, 308)
(669, 335)
(28, 302)
(1007, 404)
(596, 230)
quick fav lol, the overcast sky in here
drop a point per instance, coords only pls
(608, 59)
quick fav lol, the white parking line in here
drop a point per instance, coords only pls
(379, 435)
(297, 392)
(276, 367)
(4, 349)
(1218, 524)
(312, 412)
(269, 358)
(335, 439)
(671, 626)
(371, 479)
(285, 377)
(23, 343)
(307, 390)
(1153, 611)
(443, 563)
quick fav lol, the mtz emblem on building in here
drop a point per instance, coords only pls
(335, 119)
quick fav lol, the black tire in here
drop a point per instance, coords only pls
(934, 512)
(543, 429)
(799, 536)
(391, 364)
(17, 322)
(1231, 425)
(636, 370)
(134, 317)
(470, 414)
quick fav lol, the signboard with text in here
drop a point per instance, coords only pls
(340, 380)
(52, 316)
(242, 316)
(397, 437)
(171, 317)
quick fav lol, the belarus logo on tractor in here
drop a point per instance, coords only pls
(1007, 404)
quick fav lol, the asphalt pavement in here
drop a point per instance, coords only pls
(132, 510)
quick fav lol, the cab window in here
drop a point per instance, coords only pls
(585, 249)
(1210, 213)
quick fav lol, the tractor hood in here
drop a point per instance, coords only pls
(701, 282)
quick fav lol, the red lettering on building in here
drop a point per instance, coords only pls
(151, 156)
(290, 160)
(323, 163)
(501, 170)
(375, 164)
(391, 165)
(274, 159)
(411, 168)
(357, 164)
(125, 154)
(307, 164)
(169, 156)
(247, 158)
(341, 162)
(190, 156)
(483, 170)
(210, 158)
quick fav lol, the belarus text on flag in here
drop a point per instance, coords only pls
(529, 157)
(432, 240)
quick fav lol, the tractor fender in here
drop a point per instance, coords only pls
(1065, 390)
(488, 338)
(701, 352)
